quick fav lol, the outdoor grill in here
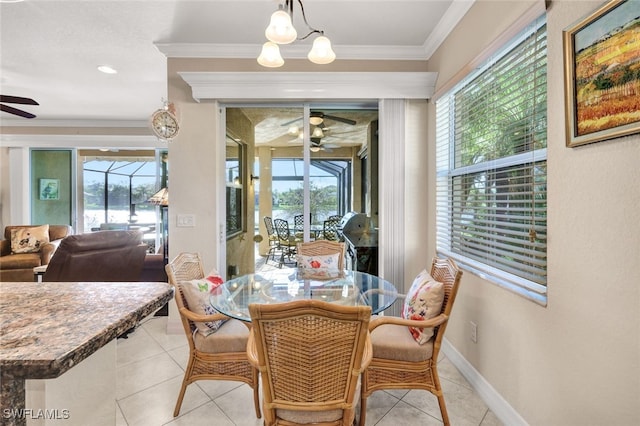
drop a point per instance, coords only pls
(361, 241)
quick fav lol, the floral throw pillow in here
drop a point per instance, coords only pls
(324, 266)
(29, 240)
(424, 301)
(197, 293)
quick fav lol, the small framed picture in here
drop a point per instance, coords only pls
(602, 74)
(49, 189)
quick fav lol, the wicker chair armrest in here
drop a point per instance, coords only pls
(433, 322)
(367, 355)
(252, 351)
(201, 318)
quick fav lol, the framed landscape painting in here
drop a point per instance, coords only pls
(602, 74)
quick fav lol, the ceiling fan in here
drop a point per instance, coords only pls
(317, 118)
(16, 100)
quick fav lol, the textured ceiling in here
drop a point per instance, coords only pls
(49, 50)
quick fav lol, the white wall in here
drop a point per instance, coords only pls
(576, 361)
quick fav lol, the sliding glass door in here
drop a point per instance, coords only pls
(304, 167)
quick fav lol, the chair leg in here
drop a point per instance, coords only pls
(443, 410)
(363, 409)
(183, 389)
(256, 400)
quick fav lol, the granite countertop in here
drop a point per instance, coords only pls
(47, 328)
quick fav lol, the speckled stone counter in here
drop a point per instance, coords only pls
(47, 328)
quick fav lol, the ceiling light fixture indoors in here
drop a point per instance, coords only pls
(107, 69)
(282, 31)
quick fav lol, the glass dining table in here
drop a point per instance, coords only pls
(352, 288)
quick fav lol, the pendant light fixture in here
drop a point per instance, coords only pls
(282, 31)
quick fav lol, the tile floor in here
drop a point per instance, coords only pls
(151, 366)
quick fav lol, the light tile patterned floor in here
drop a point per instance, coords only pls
(151, 365)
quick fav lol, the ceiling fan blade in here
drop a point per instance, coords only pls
(340, 119)
(291, 121)
(16, 111)
(17, 100)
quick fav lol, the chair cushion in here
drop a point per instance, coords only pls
(395, 342)
(423, 302)
(318, 265)
(232, 336)
(197, 293)
(20, 261)
(29, 239)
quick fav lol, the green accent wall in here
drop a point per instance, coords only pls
(47, 207)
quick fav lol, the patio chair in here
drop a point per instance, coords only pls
(286, 240)
(274, 244)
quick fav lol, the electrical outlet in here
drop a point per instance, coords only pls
(186, 220)
(474, 331)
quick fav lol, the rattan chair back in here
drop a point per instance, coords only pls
(185, 267)
(310, 354)
(402, 372)
(323, 248)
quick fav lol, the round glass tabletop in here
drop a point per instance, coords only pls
(354, 288)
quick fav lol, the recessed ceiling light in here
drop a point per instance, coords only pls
(107, 69)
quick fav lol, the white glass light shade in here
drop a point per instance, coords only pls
(314, 148)
(315, 120)
(280, 29)
(270, 56)
(321, 52)
(317, 133)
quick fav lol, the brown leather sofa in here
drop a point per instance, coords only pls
(19, 267)
(98, 256)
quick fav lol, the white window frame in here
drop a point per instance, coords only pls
(446, 171)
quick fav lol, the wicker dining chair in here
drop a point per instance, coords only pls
(310, 354)
(220, 355)
(399, 362)
(322, 248)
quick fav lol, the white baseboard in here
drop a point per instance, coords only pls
(496, 403)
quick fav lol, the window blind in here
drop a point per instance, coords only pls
(491, 139)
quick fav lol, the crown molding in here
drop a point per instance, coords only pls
(450, 19)
(39, 122)
(245, 51)
(80, 141)
(229, 86)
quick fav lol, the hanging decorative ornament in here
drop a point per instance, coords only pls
(164, 122)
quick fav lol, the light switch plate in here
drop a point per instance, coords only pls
(186, 221)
